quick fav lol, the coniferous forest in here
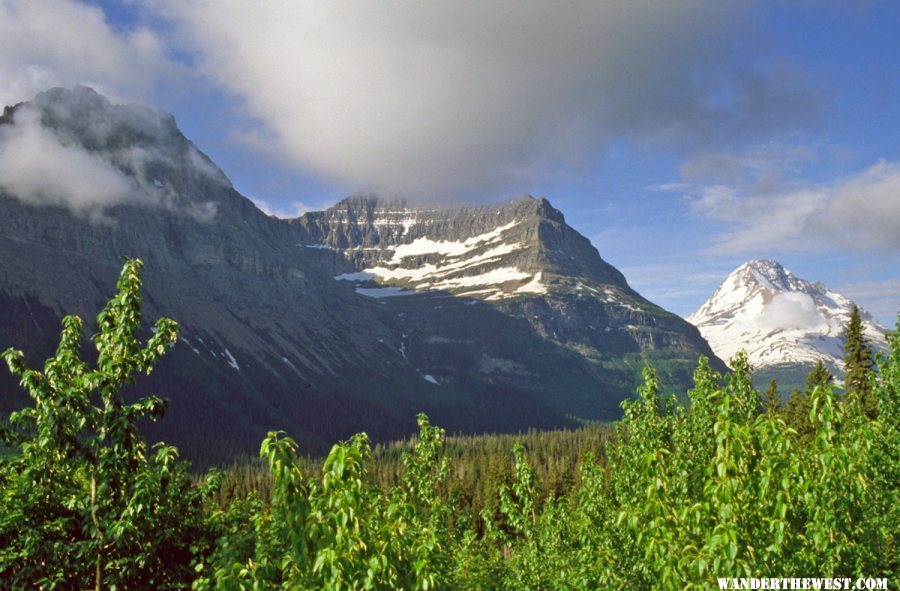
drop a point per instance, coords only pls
(735, 483)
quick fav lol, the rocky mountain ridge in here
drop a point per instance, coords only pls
(508, 318)
(491, 252)
(520, 256)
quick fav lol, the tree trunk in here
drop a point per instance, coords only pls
(98, 573)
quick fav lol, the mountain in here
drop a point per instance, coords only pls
(490, 318)
(520, 262)
(784, 323)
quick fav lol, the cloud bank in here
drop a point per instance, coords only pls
(295, 210)
(432, 98)
(765, 210)
(46, 43)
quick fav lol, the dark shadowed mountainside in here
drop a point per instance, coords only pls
(494, 318)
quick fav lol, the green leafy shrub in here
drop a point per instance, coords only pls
(729, 485)
(337, 532)
(83, 504)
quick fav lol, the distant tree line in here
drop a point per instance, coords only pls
(732, 484)
(479, 465)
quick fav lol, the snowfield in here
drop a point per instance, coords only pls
(778, 318)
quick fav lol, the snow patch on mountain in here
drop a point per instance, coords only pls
(533, 286)
(406, 219)
(453, 265)
(358, 276)
(778, 318)
(422, 246)
(231, 360)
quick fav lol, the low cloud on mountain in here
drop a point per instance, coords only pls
(38, 168)
(790, 310)
(75, 149)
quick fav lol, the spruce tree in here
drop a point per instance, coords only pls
(800, 402)
(859, 364)
(771, 400)
(818, 377)
(796, 413)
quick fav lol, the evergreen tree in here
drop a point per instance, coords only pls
(819, 377)
(859, 365)
(771, 400)
(799, 403)
(796, 413)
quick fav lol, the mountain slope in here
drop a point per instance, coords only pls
(253, 355)
(782, 321)
(515, 320)
(522, 259)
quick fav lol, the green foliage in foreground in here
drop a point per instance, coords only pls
(723, 487)
(82, 505)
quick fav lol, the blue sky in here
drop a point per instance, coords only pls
(682, 138)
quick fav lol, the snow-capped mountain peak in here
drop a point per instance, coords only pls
(778, 318)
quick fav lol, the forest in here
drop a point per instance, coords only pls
(735, 483)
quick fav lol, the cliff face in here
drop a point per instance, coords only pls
(522, 260)
(503, 317)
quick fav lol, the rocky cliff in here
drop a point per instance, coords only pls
(491, 318)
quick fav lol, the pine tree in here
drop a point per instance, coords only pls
(819, 377)
(859, 365)
(799, 403)
(771, 400)
(796, 413)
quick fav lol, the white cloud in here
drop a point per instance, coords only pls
(444, 96)
(39, 169)
(791, 310)
(779, 222)
(764, 209)
(65, 148)
(296, 209)
(45, 43)
(864, 210)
